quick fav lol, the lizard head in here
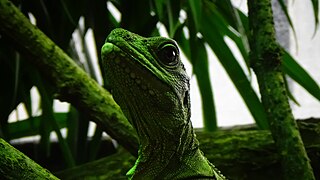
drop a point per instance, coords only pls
(149, 82)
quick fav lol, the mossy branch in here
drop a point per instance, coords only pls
(265, 59)
(71, 82)
(239, 154)
(16, 165)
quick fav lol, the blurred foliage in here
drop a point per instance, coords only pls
(194, 24)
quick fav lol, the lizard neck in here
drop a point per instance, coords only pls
(173, 155)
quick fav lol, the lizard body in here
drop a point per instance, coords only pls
(150, 84)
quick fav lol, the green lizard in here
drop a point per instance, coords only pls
(150, 84)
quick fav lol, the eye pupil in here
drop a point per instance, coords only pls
(169, 55)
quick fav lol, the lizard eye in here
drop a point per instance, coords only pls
(168, 54)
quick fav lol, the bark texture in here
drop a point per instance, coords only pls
(239, 154)
(71, 82)
(15, 165)
(265, 59)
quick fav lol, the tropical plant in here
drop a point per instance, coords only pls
(207, 22)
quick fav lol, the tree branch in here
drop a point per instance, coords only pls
(239, 154)
(71, 82)
(16, 165)
(265, 59)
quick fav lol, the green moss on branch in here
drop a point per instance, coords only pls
(70, 81)
(15, 165)
(265, 59)
(240, 154)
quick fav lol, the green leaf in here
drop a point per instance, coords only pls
(315, 6)
(31, 126)
(227, 11)
(57, 19)
(72, 125)
(15, 76)
(100, 20)
(159, 4)
(95, 144)
(290, 95)
(173, 11)
(196, 8)
(201, 70)
(183, 42)
(49, 122)
(195, 51)
(225, 16)
(297, 73)
(239, 35)
(82, 138)
(137, 19)
(285, 10)
(210, 32)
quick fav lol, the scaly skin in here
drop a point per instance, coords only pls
(150, 84)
